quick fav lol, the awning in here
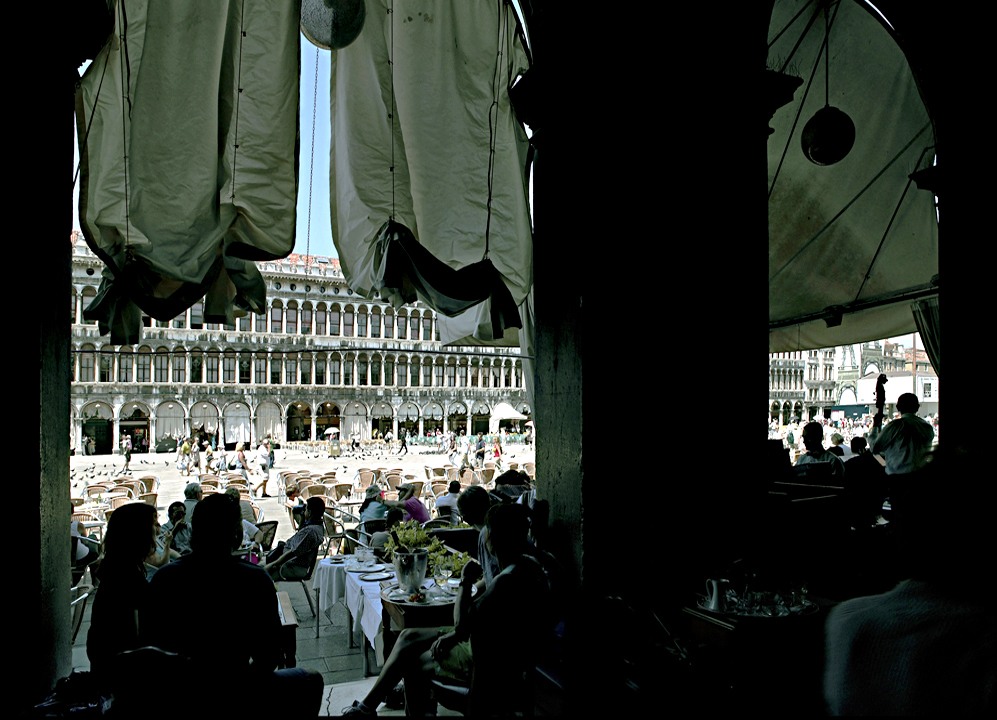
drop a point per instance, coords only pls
(189, 158)
(424, 133)
(852, 245)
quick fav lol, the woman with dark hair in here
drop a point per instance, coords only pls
(123, 592)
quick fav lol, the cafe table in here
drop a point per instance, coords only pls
(329, 585)
(365, 609)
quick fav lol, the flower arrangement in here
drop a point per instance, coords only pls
(412, 535)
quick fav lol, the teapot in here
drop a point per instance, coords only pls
(716, 595)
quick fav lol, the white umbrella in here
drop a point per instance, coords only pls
(332, 431)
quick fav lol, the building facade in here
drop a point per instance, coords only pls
(321, 357)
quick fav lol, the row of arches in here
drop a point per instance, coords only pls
(272, 366)
(98, 428)
(305, 317)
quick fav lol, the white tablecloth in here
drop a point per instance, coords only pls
(363, 600)
(330, 582)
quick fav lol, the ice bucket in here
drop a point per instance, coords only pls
(410, 569)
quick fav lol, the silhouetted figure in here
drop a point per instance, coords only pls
(929, 646)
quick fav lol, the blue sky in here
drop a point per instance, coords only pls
(321, 226)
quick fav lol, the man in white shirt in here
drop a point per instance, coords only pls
(905, 441)
(449, 500)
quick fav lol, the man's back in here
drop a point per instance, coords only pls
(198, 610)
(903, 443)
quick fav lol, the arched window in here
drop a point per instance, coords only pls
(348, 321)
(375, 323)
(276, 313)
(162, 365)
(292, 318)
(334, 318)
(321, 318)
(143, 365)
(389, 325)
(179, 365)
(402, 325)
(125, 357)
(89, 293)
(306, 319)
(211, 367)
(88, 362)
(261, 322)
(197, 315)
(362, 322)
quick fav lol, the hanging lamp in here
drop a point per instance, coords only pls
(830, 134)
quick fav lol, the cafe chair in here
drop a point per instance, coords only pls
(487, 474)
(269, 530)
(77, 501)
(149, 498)
(304, 580)
(369, 527)
(340, 491)
(304, 482)
(96, 489)
(313, 490)
(451, 473)
(257, 512)
(334, 530)
(149, 482)
(439, 472)
(119, 501)
(440, 488)
(394, 481)
(78, 602)
(429, 473)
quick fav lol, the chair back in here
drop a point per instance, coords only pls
(334, 530)
(451, 473)
(149, 482)
(341, 491)
(121, 478)
(490, 464)
(372, 526)
(269, 530)
(514, 466)
(78, 602)
(212, 482)
(256, 512)
(94, 490)
(394, 481)
(439, 472)
(119, 501)
(529, 468)
(149, 498)
(303, 483)
(77, 501)
(313, 490)
(487, 474)
(366, 478)
(208, 488)
(429, 473)
(468, 478)
(440, 522)
(417, 486)
(83, 516)
(439, 488)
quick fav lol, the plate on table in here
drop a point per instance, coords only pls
(397, 595)
(377, 576)
(336, 559)
(368, 569)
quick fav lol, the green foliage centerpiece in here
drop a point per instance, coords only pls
(414, 552)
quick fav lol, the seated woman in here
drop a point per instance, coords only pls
(129, 540)
(373, 507)
(407, 501)
(379, 539)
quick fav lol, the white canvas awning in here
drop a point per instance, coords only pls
(424, 132)
(856, 239)
(189, 158)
